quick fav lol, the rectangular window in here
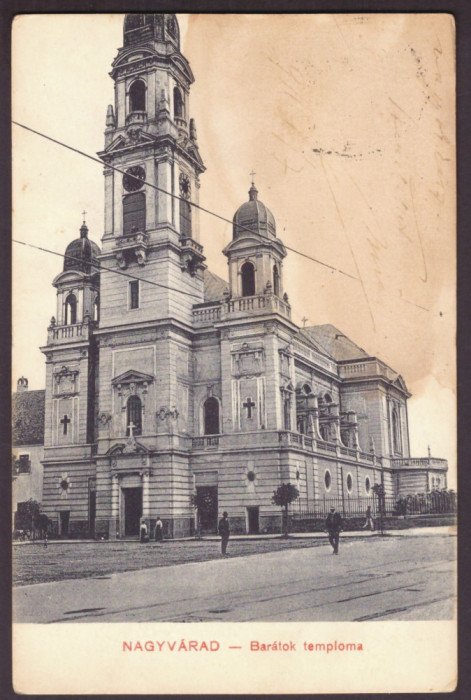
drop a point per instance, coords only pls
(134, 294)
(23, 464)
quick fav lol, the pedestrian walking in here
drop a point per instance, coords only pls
(159, 530)
(334, 525)
(45, 540)
(224, 532)
(368, 520)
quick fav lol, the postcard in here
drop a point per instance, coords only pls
(234, 379)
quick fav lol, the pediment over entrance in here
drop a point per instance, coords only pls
(400, 384)
(128, 447)
(132, 376)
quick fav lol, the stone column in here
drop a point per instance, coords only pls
(114, 524)
(145, 494)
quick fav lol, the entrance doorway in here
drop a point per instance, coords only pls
(207, 497)
(132, 498)
(252, 515)
(64, 523)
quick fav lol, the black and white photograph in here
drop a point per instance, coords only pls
(234, 374)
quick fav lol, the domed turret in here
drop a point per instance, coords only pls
(255, 216)
(81, 254)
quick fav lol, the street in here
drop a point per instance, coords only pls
(411, 577)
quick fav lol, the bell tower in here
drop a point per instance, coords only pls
(151, 229)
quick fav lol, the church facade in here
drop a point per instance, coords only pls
(165, 384)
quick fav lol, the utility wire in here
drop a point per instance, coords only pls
(193, 204)
(99, 266)
(175, 196)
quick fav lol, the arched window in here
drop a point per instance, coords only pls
(96, 309)
(134, 213)
(396, 431)
(287, 411)
(137, 96)
(211, 416)
(70, 312)
(134, 416)
(177, 103)
(276, 281)
(248, 279)
(307, 389)
(328, 398)
(185, 218)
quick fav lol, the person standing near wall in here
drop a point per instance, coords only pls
(224, 532)
(333, 526)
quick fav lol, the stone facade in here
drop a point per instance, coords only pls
(164, 382)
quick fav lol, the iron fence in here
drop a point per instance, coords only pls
(433, 503)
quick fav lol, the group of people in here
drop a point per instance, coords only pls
(158, 531)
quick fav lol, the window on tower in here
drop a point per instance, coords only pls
(248, 279)
(276, 281)
(177, 104)
(70, 311)
(134, 294)
(185, 219)
(134, 213)
(137, 96)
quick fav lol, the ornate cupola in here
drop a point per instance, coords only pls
(79, 283)
(255, 255)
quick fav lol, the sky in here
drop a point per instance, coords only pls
(348, 122)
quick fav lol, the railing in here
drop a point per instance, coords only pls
(419, 462)
(288, 437)
(193, 245)
(138, 238)
(433, 503)
(261, 302)
(314, 356)
(370, 367)
(205, 443)
(207, 314)
(136, 117)
(346, 506)
(180, 122)
(66, 332)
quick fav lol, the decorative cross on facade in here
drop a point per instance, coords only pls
(304, 321)
(131, 427)
(249, 404)
(65, 422)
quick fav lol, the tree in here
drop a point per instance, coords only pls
(27, 515)
(283, 496)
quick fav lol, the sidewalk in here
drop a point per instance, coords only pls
(410, 532)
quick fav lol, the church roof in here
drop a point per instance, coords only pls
(255, 216)
(214, 286)
(81, 253)
(28, 417)
(335, 343)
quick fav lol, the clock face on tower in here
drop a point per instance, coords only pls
(134, 178)
(185, 186)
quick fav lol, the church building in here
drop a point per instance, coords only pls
(164, 381)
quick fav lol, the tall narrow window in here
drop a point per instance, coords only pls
(134, 213)
(396, 431)
(276, 281)
(185, 219)
(137, 97)
(70, 312)
(211, 416)
(96, 309)
(134, 416)
(134, 294)
(248, 279)
(287, 412)
(177, 103)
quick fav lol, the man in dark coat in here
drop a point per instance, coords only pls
(224, 532)
(334, 525)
